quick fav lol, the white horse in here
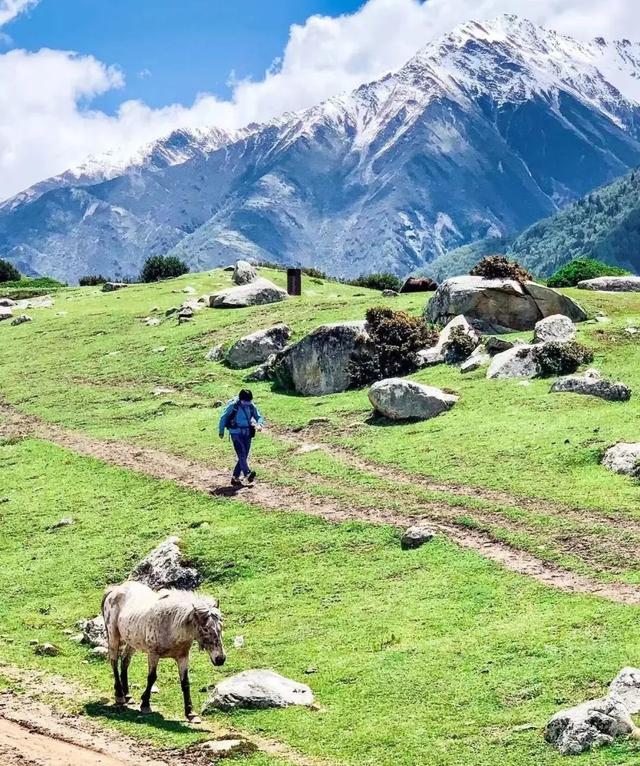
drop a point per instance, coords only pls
(162, 624)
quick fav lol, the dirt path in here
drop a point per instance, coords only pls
(206, 478)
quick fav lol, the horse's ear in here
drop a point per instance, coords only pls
(200, 614)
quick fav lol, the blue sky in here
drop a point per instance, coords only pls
(170, 50)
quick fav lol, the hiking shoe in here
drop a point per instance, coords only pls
(235, 482)
(251, 477)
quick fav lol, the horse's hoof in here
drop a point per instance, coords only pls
(145, 709)
(194, 719)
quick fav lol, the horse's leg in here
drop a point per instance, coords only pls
(145, 707)
(124, 672)
(183, 669)
(114, 651)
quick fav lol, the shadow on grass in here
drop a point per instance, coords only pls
(132, 715)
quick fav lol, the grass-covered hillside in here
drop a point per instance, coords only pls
(430, 656)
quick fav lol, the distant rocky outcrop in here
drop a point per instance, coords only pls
(319, 363)
(401, 399)
(499, 305)
(627, 284)
(258, 347)
(256, 293)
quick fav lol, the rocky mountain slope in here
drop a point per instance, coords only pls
(483, 132)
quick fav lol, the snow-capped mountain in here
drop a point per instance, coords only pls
(484, 131)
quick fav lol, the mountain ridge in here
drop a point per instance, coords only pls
(481, 133)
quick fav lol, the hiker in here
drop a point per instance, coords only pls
(241, 418)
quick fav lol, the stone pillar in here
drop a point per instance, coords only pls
(294, 281)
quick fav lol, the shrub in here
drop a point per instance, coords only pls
(460, 346)
(92, 280)
(500, 267)
(394, 339)
(561, 358)
(583, 268)
(382, 281)
(162, 267)
(8, 272)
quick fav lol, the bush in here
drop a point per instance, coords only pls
(162, 267)
(561, 358)
(92, 280)
(499, 267)
(395, 337)
(583, 268)
(460, 346)
(382, 281)
(8, 272)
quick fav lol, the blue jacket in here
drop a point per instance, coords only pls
(247, 411)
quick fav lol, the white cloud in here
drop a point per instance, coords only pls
(47, 125)
(9, 9)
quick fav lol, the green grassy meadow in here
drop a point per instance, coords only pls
(431, 656)
(428, 656)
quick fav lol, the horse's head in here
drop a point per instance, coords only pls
(209, 629)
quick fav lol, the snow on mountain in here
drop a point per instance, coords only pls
(482, 132)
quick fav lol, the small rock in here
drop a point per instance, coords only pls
(99, 651)
(163, 568)
(632, 330)
(162, 390)
(257, 689)
(310, 670)
(517, 362)
(94, 632)
(222, 748)
(591, 724)
(189, 290)
(109, 287)
(592, 384)
(390, 293)
(185, 314)
(33, 642)
(47, 650)
(159, 350)
(401, 399)
(238, 642)
(22, 319)
(557, 327)
(623, 458)
(151, 321)
(214, 354)
(62, 523)
(416, 536)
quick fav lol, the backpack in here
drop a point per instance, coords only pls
(232, 422)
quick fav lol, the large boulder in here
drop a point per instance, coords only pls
(244, 273)
(626, 284)
(592, 384)
(556, 327)
(516, 362)
(401, 399)
(499, 305)
(258, 347)
(623, 458)
(257, 689)
(163, 567)
(591, 724)
(438, 353)
(256, 293)
(318, 364)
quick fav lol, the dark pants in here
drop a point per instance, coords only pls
(242, 445)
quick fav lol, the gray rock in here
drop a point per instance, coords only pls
(438, 353)
(628, 284)
(258, 347)
(401, 399)
(257, 293)
(517, 362)
(416, 536)
(110, 287)
(185, 314)
(592, 384)
(214, 354)
(625, 688)
(22, 319)
(496, 345)
(257, 689)
(623, 458)
(244, 273)
(93, 631)
(7, 303)
(390, 293)
(479, 358)
(100, 651)
(66, 522)
(591, 724)
(5, 313)
(318, 363)
(498, 305)
(47, 650)
(556, 327)
(264, 371)
(164, 568)
(223, 748)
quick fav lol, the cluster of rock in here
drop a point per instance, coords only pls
(499, 305)
(600, 721)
